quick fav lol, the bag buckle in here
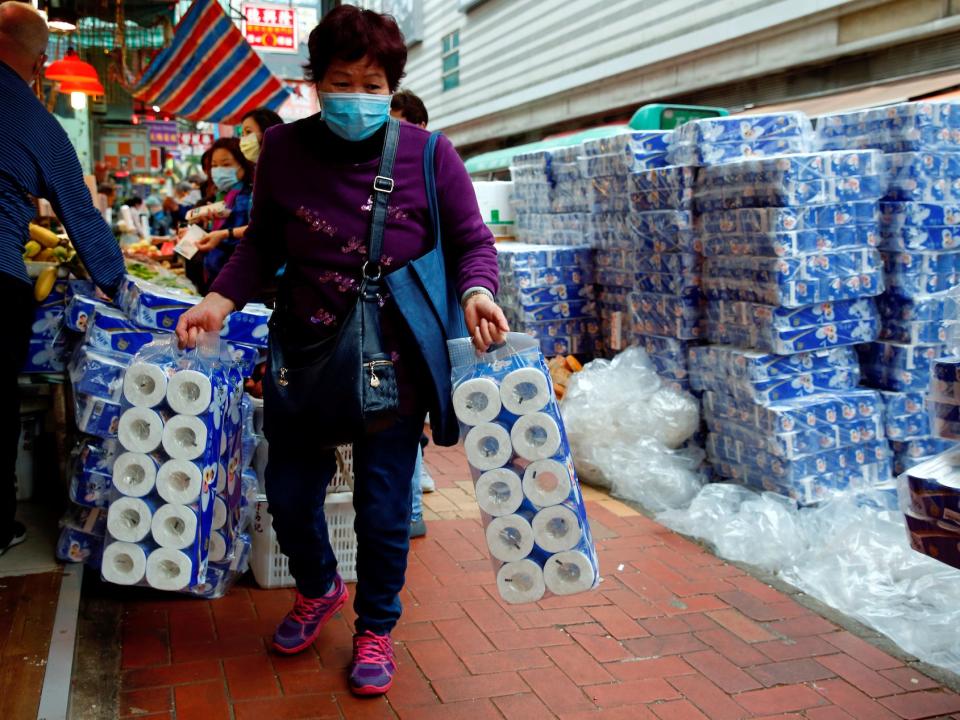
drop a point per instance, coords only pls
(379, 271)
(383, 184)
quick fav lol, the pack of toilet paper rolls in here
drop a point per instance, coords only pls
(82, 531)
(153, 307)
(179, 433)
(534, 515)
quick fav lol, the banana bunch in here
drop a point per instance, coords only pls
(47, 247)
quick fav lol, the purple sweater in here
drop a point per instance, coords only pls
(311, 211)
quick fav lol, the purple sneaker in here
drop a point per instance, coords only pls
(302, 625)
(371, 672)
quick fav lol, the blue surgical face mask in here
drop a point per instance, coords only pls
(355, 116)
(224, 177)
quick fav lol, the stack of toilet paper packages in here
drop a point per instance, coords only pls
(547, 292)
(930, 499)
(717, 140)
(796, 425)
(918, 216)
(533, 512)
(48, 341)
(904, 127)
(175, 519)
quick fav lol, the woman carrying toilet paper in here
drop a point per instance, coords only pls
(312, 213)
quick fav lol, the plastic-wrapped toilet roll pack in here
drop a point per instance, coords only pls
(534, 516)
(174, 519)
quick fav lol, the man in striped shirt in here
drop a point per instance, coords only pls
(36, 161)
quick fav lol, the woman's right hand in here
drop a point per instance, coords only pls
(207, 316)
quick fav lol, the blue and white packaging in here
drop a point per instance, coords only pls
(111, 331)
(514, 436)
(81, 536)
(46, 356)
(98, 374)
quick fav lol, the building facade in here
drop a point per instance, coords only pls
(499, 72)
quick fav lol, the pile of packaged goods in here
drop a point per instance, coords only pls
(107, 338)
(918, 220)
(533, 512)
(930, 490)
(790, 271)
(547, 291)
(794, 424)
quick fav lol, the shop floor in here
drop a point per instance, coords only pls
(673, 633)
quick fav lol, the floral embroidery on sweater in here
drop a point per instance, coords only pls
(316, 223)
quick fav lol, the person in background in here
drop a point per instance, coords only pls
(254, 124)
(130, 223)
(36, 161)
(408, 107)
(160, 220)
(311, 212)
(108, 193)
(232, 176)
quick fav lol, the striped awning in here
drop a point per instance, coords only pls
(209, 73)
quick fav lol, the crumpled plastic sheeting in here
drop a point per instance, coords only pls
(851, 553)
(626, 432)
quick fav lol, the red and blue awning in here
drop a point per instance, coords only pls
(209, 73)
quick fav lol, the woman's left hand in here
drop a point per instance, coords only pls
(485, 321)
(211, 240)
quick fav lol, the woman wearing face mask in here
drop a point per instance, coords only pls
(232, 177)
(254, 124)
(312, 210)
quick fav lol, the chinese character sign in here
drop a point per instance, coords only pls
(271, 27)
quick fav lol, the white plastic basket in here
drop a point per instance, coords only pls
(271, 567)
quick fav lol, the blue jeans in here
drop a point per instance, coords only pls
(417, 505)
(296, 480)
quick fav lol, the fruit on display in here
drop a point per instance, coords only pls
(561, 368)
(44, 283)
(47, 246)
(144, 248)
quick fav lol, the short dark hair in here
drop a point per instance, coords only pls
(349, 34)
(232, 145)
(264, 118)
(411, 107)
(135, 201)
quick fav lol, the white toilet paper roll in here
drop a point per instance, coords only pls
(557, 528)
(218, 546)
(477, 401)
(123, 563)
(525, 391)
(219, 512)
(179, 482)
(547, 482)
(169, 569)
(521, 582)
(145, 385)
(128, 519)
(499, 492)
(175, 526)
(140, 430)
(185, 437)
(509, 538)
(568, 572)
(134, 474)
(488, 446)
(189, 392)
(535, 436)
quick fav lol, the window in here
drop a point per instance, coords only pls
(450, 71)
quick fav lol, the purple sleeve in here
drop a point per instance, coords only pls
(464, 232)
(257, 256)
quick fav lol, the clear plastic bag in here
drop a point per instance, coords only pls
(627, 431)
(533, 513)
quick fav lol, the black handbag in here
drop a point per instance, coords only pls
(345, 386)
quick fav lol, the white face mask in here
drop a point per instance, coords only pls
(250, 147)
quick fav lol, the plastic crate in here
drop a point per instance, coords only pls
(271, 567)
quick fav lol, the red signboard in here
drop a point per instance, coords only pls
(271, 27)
(197, 139)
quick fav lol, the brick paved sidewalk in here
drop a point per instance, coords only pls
(673, 633)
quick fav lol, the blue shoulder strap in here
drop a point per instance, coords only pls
(429, 174)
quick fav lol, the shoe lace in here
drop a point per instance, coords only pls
(373, 649)
(306, 609)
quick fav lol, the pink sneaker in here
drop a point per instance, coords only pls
(373, 667)
(300, 628)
